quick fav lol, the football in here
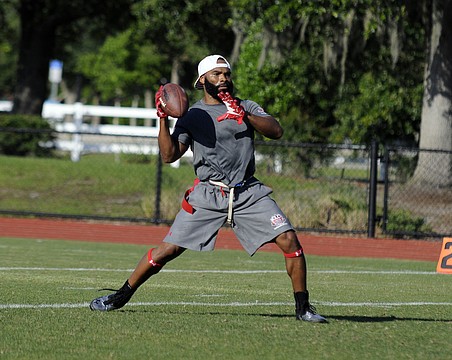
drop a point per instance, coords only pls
(174, 100)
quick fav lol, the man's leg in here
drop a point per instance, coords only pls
(297, 271)
(295, 260)
(150, 264)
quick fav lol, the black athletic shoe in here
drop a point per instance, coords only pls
(113, 301)
(304, 310)
(310, 314)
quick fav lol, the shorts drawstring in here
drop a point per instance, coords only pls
(231, 196)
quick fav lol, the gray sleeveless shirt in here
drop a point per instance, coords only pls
(222, 151)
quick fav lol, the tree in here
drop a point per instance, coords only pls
(42, 24)
(319, 63)
(121, 66)
(379, 50)
(9, 35)
(380, 109)
(166, 41)
(331, 69)
(184, 32)
(436, 124)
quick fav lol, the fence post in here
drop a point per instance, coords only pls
(386, 190)
(77, 144)
(158, 190)
(372, 210)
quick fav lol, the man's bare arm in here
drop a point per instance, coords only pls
(266, 125)
(170, 149)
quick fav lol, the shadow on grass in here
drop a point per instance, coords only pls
(355, 318)
(360, 319)
(376, 319)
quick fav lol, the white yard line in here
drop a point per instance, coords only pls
(230, 304)
(376, 272)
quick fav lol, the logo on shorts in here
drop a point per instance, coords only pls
(277, 221)
(261, 111)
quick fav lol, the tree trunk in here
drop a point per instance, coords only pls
(175, 71)
(435, 168)
(35, 50)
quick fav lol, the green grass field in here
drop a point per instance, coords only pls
(218, 305)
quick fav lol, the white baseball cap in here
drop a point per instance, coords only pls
(209, 63)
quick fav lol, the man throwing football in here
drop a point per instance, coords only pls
(220, 129)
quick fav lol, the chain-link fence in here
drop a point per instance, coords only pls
(417, 192)
(321, 188)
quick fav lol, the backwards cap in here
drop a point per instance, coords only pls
(207, 64)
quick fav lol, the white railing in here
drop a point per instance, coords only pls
(6, 105)
(57, 114)
(78, 110)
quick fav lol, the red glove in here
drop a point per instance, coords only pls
(235, 110)
(158, 103)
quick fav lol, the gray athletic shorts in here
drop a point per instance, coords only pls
(257, 218)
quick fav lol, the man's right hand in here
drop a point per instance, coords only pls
(158, 103)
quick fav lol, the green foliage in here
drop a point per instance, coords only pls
(369, 92)
(329, 70)
(9, 38)
(294, 89)
(120, 66)
(401, 221)
(381, 109)
(35, 142)
(188, 28)
(403, 166)
(59, 29)
(162, 41)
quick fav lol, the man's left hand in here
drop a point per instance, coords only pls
(235, 110)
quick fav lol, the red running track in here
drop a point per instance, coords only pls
(153, 235)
